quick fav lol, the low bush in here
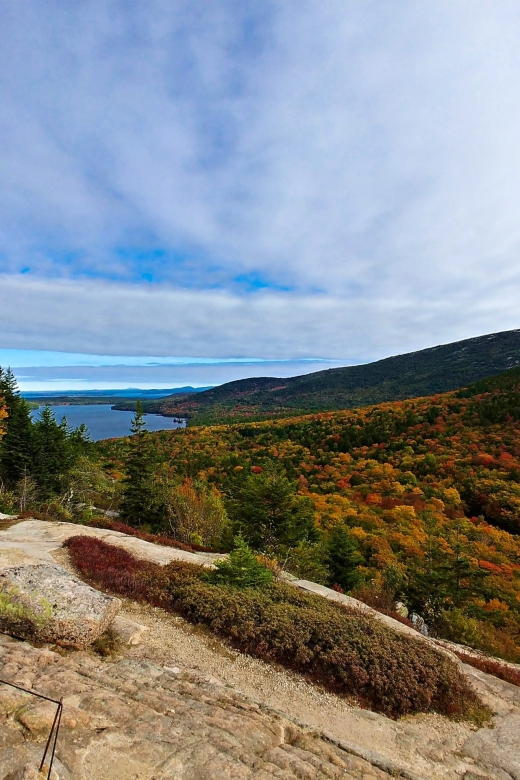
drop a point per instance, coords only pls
(490, 666)
(381, 601)
(341, 649)
(458, 627)
(107, 644)
(33, 515)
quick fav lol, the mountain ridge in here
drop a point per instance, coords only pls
(437, 369)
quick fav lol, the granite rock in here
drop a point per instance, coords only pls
(45, 603)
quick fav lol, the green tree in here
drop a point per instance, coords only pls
(80, 439)
(241, 569)
(89, 485)
(268, 512)
(446, 579)
(138, 504)
(53, 453)
(16, 451)
(464, 581)
(427, 593)
(342, 559)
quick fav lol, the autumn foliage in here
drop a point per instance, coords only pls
(427, 489)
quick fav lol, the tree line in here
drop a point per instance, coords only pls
(37, 456)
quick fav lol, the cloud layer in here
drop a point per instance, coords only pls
(270, 180)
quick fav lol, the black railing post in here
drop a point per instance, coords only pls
(55, 723)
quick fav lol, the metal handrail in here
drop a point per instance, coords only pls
(53, 734)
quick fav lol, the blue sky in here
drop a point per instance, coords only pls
(42, 370)
(281, 186)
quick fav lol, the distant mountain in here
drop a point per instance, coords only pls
(60, 397)
(428, 371)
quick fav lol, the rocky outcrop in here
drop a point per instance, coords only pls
(127, 719)
(44, 603)
(38, 538)
(41, 536)
(155, 719)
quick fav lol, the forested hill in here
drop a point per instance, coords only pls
(429, 371)
(428, 491)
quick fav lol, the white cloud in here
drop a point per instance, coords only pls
(116, 319)
(363, 155)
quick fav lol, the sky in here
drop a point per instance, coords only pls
(197, 192)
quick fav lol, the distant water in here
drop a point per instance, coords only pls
(103, 422)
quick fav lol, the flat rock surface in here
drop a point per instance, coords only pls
(136, 720)
(199, 678)
(39, 537)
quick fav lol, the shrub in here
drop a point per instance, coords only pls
(381, 600)
(490, 666)
(108, 644)
(305, 561)
(194, 511)
(458, 627)
(341, 649)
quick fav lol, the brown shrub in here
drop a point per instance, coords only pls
(341, 649)
(382, 601)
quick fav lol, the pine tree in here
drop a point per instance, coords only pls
(241, 569)
(137, 506)
(80, 439)
(53, 453)
(16, 452)
(342, 559)
(427, 592)
(270, 514)
(463, 581)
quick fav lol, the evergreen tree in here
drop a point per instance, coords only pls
(269, 513)
(138, 502)
(53, 452)
(80, 439)
(241, 569)
(427, 592)
(16, 452)
(447, 579)
(463, 580)
(342, 559)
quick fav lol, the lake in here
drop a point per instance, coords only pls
(103, 422)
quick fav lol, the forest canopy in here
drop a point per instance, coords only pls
(426, 493)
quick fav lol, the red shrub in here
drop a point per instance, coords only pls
(490, 666)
